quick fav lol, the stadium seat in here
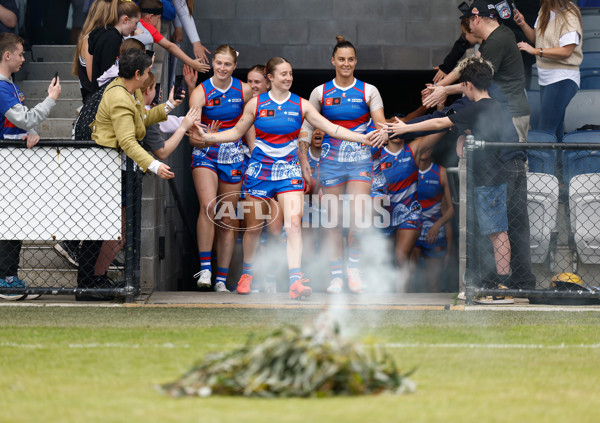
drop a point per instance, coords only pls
(583, 109)
(576, 162)
(590, 78)
(542, 206)
(591, 42)
(584, 206)
(590, 19)
(533, 98)
(591, 58)
(541, 161)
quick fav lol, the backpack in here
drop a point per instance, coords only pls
(81, 128)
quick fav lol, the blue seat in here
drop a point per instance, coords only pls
(591, 59)
(590, 78)
(533, 98)
(591, 42)
(577, 162)
(541, 161)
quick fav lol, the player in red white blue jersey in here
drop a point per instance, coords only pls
(346, 168)
(217, 169)
(437, 210)
(276, 169)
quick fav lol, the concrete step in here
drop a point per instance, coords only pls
(44, 71)
(64, 108)
(39, 89)
(43, 257)
(49, 53)
(57, 128)
(44, 278)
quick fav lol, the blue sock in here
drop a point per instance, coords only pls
(295, 274)
(247, 269)
(222, 274)
(336, 268)
(205, 263)
(353, 251)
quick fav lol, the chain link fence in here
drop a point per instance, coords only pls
(548, 247)
(66, 206)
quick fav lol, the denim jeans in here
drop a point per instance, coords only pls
(554, 99)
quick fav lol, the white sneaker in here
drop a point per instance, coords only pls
(221, 287)
(336, 285)
(204, 278)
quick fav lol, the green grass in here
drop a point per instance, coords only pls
(102, 364)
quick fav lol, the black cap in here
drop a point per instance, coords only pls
(481, 8)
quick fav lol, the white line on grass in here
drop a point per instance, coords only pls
(492, 346)
(95, 345)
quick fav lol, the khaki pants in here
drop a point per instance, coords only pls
(522, 125)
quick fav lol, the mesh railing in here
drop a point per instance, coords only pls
(62, 224)
(551, 250)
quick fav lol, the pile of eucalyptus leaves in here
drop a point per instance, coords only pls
(312, 361)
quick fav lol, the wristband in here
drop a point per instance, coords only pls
(168, 107)
(541, 52)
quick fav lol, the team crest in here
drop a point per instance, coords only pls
(503, 9)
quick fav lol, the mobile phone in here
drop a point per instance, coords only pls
(156, 99)
(513, 5)
(150, 53)
(179, 87)
(463, 7)
(55, 78)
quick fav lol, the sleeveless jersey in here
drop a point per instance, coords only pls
(10, 95)
(227, 107)
(277, 125)
(430, 192)
(349, 109)
(401, 173)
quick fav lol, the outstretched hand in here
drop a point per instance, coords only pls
(435, 95)
(164, 172)
(378, 138)
(397, 128)
(190, 118)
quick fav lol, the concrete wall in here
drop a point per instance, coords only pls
(389, 34)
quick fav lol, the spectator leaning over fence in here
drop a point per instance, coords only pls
(185, 19)
(499, 48)
(17, 123)
(121, 123)
(494, 169)
(148, 33)
(557, 37)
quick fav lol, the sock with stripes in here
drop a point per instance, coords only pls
(336, 269)
(295, 274)
(247, 268)
(205, 263)
(222, 274)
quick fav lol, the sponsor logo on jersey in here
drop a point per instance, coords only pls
(365, 173)
(335, 101)
(214, 102)
(235, 100)
(266, 113)
(293, 113)
(236, 172)
(296, 181)
(385, 165)
(355, 100)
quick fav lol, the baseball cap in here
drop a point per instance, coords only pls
(481, 8)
